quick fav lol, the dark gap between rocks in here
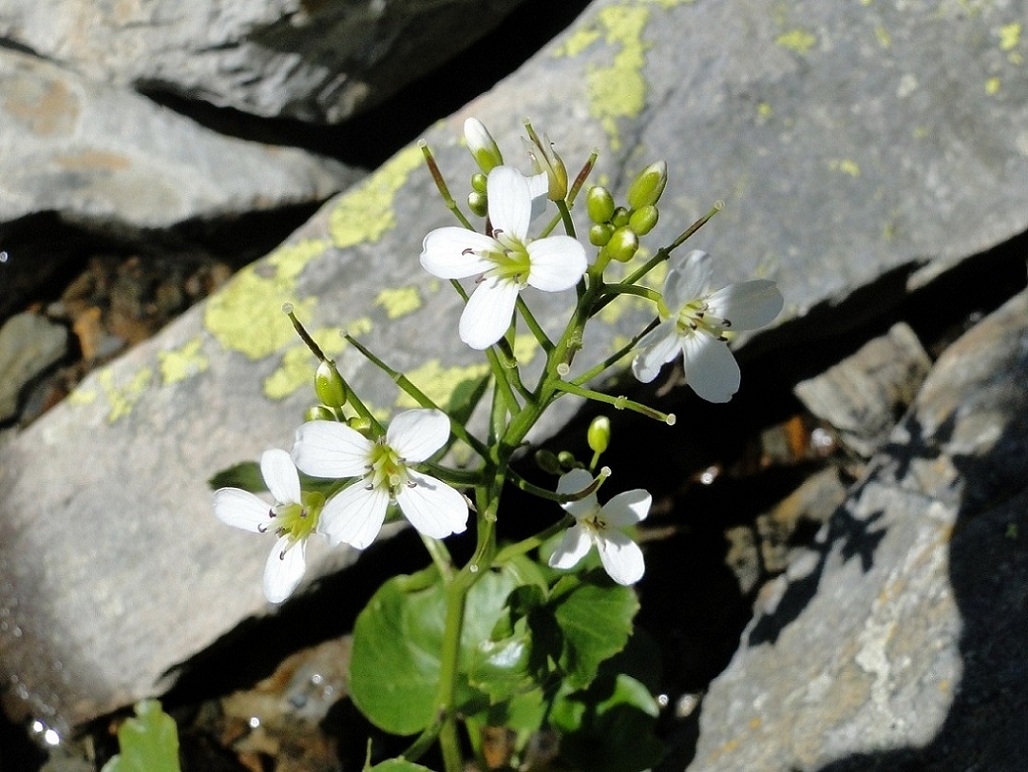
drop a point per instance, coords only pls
(370, 138)
(692, 602)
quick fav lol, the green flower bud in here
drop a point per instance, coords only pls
(478, 203)
(319, 413)
(549, 162)
(600, 234)
(329, 385)
(547, 461)
(647, 188)
(620, 217)
(599, 434)
(567, 459)
(643, 220)
(623, 244)
(600, 204)
(479, 182)
(482, 145)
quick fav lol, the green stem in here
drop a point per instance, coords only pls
(532, 542)
(441, 186)
(618, 403)
(614, 358)
(540, 334)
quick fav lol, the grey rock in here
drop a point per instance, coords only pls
(832, 181)
(29, 344)
(900, 644)
(864, 395)
(109, 160)
(314, 61)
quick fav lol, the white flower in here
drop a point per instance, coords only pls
(600, 526)
(355, 515)
(506, 262)
(293, 518)
(694, 321)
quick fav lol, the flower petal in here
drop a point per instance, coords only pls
(688, 278)
(509, 195)
(621, 557)
(558, 262)
(417, 434)
(284, 569)
(241, 509)
(432, 506)
(710, 368)
(572, 482)
(658, 347)
(331, 449)
(572, 548)
(280, 476)
(627, 508)
(747, 305)
(453, 253)
(355, 515)
(488, 312)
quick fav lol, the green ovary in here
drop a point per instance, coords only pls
(388, 469)
(299, 520)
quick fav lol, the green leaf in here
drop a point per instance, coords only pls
(595, 618)
(395, 667)
(245, 475)
(398, 765)
(149, 742)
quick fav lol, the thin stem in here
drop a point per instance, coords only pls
(440, 556)
(618, 403)
(532, 542)
(540, 334)
(565, 216)
(441, 186)
(614, 358)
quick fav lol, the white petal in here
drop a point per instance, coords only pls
(432, 506)
(621, 557)
(417, 434)
(280, 476)
(572, 548)
(355, 515)
(241, 509)
(572, 482)
(510, 201)
(658, 347)
(747, 304)
(331, 449)
(488, 312)
(284, 569)
(558, 262)
(688, 278)
(710, 368)
(453, 253)
(627, 508)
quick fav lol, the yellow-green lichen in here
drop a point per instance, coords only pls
(577, 42)
(764, 112)
(246, 315)
(441, 384)
(399, 302)
(798, 40)
(846, 166)
(1009, 40)
(619, 91)
(366, 213)
(298, 363)
(883, 36)
(181, 363)
(82, 396)
(992, 85)
(525, 348)
(122, 399)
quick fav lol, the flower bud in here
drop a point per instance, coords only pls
(482, 145)
(600, 234)
(642, 221)
(478, 203)
(479, 182)
(549, 162)
(620, 217)
(623, 244)
(567, 459)
(329, 385)
(647, 188)
(319, 413)
(599, 204)
(598, 435)
(547, 461)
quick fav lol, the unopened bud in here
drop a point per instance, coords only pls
(620, 217)
(483, 147)
(329, 385)
(599, 204)
(647, 188)
(547, 160)
(643, 220)
(598, 435)
(623, 244)
(319, 413)
(567, 459)
(478, 203)
(547, 461)
(600, 234)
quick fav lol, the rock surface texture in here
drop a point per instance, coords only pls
(315, 61)
(899, 645)
(855, 144)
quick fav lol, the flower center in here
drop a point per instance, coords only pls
(298, 520)
(695, 317)
(511, 259)
(387, 469)
(594, 521)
